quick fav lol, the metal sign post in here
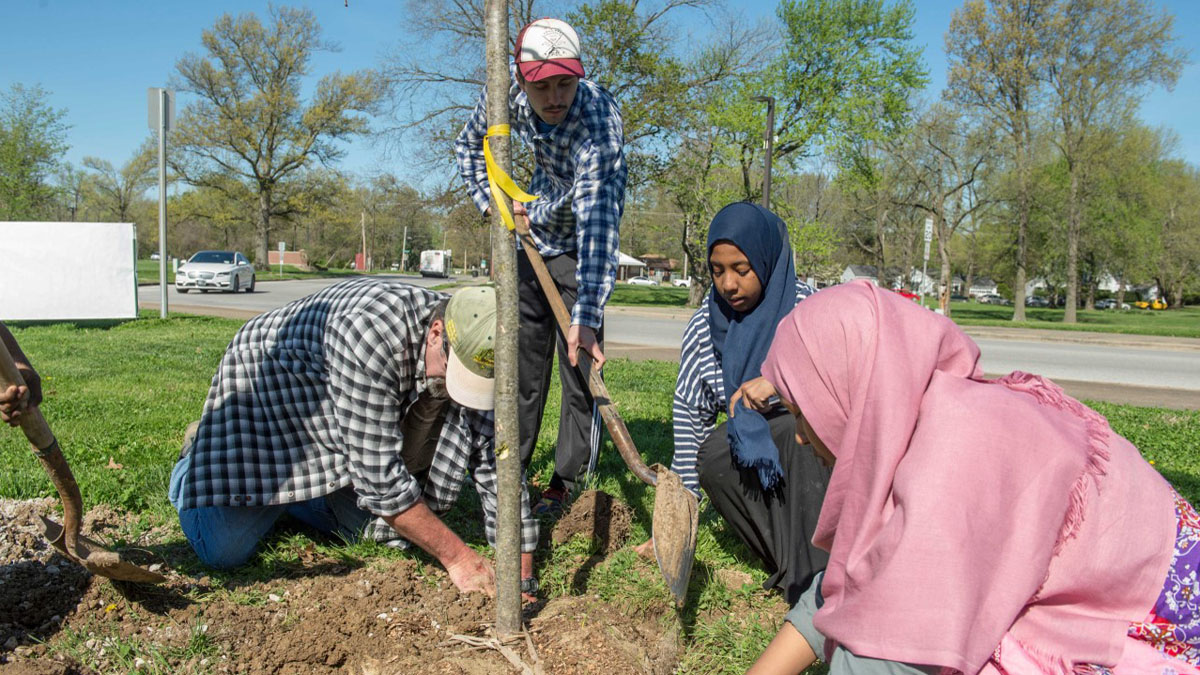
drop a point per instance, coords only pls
(282, 248)
(160, 105)
(925, 264)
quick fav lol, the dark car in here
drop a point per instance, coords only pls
(1036, 301)
(959, 298)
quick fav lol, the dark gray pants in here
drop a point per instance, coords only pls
(778, 525)
(578, 422)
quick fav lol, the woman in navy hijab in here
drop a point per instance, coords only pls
(765, 485)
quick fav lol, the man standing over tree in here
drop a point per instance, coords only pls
(574, 128)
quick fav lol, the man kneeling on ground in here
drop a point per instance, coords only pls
(357, 410)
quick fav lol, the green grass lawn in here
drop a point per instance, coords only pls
(661, 296)
(121, 393)
(1174, 322)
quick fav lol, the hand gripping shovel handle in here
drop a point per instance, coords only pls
(45, 447)
(612, 419)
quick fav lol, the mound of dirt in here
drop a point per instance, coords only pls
(324, 616)
(599, 517)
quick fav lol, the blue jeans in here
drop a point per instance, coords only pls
(226, 536)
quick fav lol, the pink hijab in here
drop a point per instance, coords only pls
(964, 514)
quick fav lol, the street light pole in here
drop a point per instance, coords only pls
(770, 132)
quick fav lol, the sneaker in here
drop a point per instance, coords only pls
(552, 503)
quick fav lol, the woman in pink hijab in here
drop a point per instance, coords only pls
(973, 525)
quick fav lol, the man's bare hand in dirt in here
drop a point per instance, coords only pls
(472, 573)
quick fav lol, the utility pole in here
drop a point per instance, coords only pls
(404, 250)
(161, 113)
(363, 224)
(770, 101)
(504, 262)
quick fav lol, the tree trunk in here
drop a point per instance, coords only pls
(504, 262)
(1120, 294)
(944, 255)
(262, 233)
(1177, 295)
(1023, 208)
(1073, 216)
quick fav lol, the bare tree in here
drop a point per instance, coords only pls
(119, 188)
(946, 161)
(249, 121)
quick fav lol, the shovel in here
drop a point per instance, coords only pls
(66, 537)
(676, 511)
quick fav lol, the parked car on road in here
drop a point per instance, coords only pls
(1110, 303)
(215, 271)
(908, 294)
(959, 298)
(642, 281)
(1036, 301)
(993, 299)
(1153, 304)
(682, 282)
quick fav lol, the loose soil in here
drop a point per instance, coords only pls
(326, 616)
(599, 517)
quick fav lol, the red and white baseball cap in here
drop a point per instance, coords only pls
(548, 47)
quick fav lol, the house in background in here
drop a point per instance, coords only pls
(855, 272)
(628, 266)
(983, 286)
(659, 267)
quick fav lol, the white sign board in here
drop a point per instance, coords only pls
(153, 105)
(68, 271)
(928, 230)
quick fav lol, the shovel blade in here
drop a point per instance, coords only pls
(97, 559)
(676, 520)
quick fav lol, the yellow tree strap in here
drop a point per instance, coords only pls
(500, 182)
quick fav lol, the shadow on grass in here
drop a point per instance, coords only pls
(94, 324)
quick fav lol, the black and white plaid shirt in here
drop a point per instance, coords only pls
(309, 398)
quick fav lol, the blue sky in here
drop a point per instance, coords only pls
(97, 57)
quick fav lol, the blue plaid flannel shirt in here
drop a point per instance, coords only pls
(579, 179)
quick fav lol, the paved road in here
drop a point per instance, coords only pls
(1129, 369)
(267, 295)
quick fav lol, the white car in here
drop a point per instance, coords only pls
(682, 282)
(215, 271)
(642, 281)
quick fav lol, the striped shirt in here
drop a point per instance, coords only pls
(700, 393)
(310, 397)
(579, 178)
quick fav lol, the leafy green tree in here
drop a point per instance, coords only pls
(1104, 56)
(997, 57)
(119, 188)
(32, 144)
(1177, 211)
(846, 71)
(249, 122)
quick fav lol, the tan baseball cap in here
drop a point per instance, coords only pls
(471, 332)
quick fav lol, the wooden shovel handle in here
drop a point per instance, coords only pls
(608, 411)
(45, 446)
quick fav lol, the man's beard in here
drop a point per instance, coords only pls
(436, 387)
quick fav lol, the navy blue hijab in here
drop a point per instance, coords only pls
(741, 340)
